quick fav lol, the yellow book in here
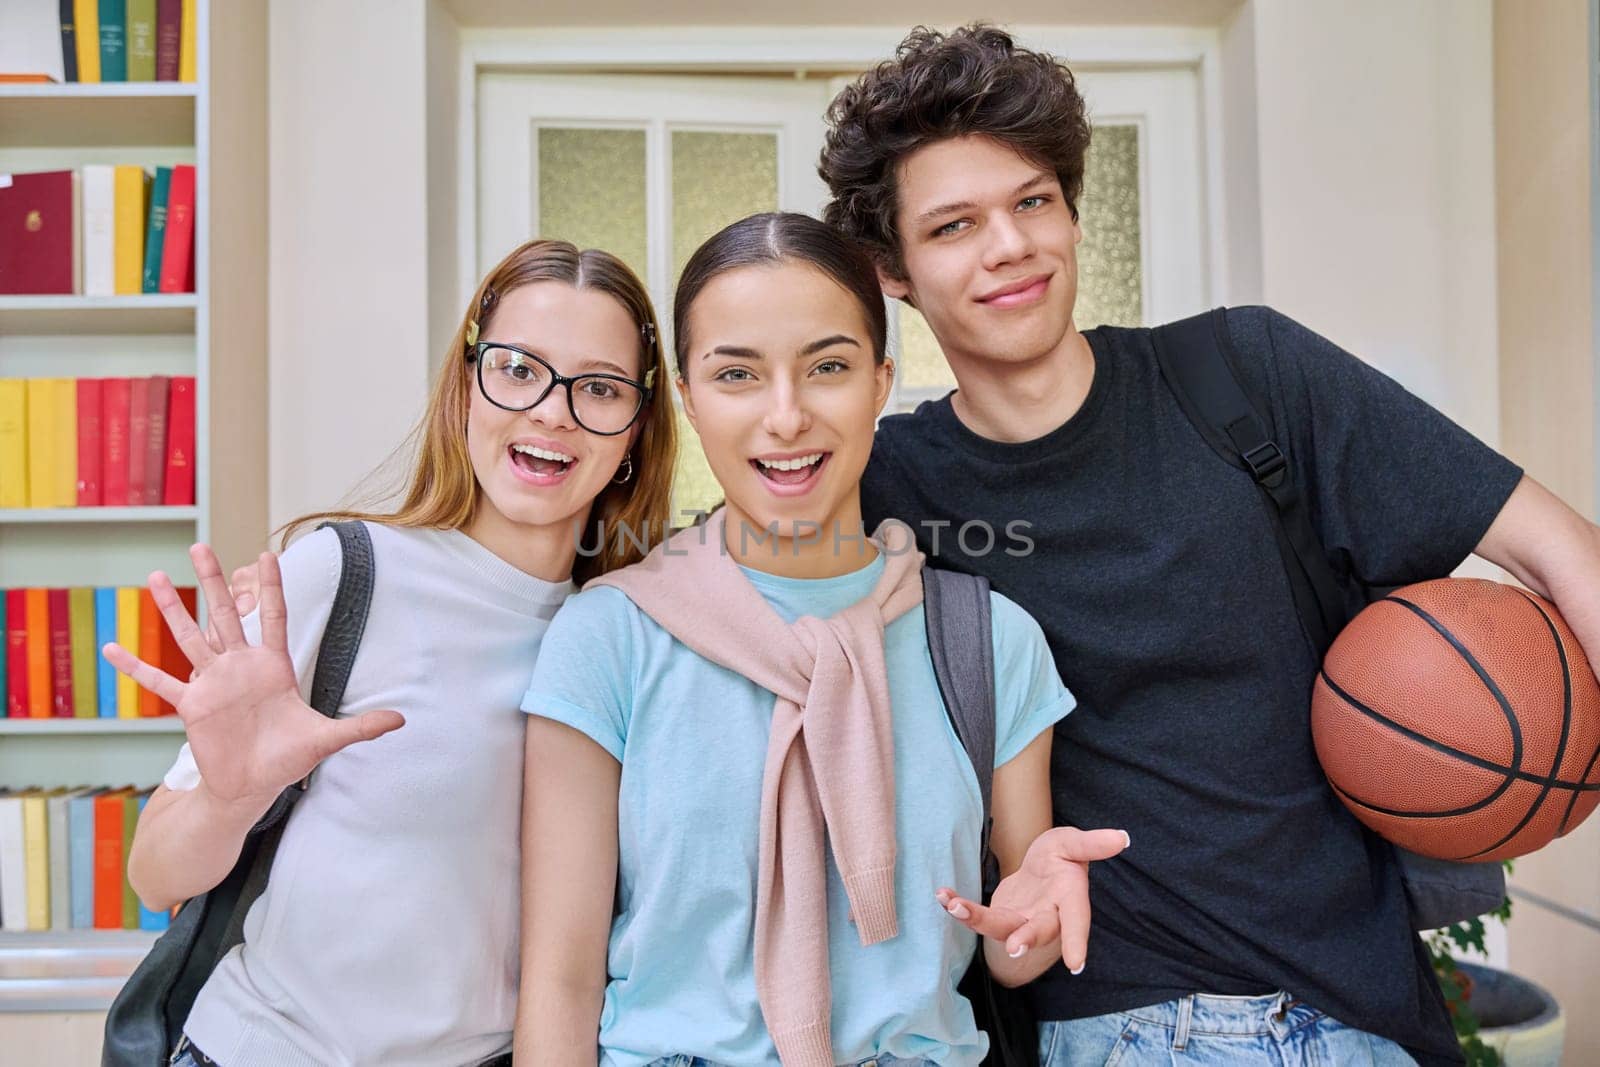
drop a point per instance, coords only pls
(42, 443)
(188, 39)
(128, 638)
(13, 443)
(131, 198)
(86, 32)
(66, 479)
(36, 859)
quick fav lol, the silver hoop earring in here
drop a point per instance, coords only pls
(626, 474)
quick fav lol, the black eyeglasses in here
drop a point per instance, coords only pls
(517, 380)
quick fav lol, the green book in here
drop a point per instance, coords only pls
(130, 821)
(85, 666)
(141, 40)
(113, 40)
(155, 230)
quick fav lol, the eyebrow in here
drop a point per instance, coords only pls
(740, 352)
(967, 205)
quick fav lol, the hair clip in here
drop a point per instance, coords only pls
(648, 329)
(472, 332)
(488, 298)
(650, 378)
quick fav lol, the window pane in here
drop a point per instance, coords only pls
(718, 178)
(1110, 271)
(592, 191)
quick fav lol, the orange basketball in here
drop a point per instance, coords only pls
(1460, 719)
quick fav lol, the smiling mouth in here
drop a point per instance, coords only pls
(791, 473)
(1016, 297)
(539, 462)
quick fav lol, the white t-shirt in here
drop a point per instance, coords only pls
(388, 930)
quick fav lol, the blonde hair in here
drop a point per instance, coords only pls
(442, 491)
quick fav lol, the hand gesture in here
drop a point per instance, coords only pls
(251, 733)
(1044, 899)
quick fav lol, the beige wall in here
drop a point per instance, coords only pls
(1544, 223)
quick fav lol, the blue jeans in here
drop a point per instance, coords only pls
(1215, 1031)
(876, 1061)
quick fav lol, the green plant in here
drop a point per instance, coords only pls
(1456, 984)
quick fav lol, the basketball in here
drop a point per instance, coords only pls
(1459, 718)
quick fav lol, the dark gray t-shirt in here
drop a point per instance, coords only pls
(1152, 567)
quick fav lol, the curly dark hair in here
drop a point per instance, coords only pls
(974, 80)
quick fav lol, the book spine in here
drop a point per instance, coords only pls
(41, 443)
(5, 654)
(113, 40)
(86, 29)
(138, 437)
(169, 33)
(85, 668)
(56, 838)
(141, 40)
(13, 865)
(130, 822)
(178, 490)
(99, 230)
(155, 430)
(65, 396)
(155, 230)
(130, 185)
(150, 626)
(116, 398)
(128, 638)
(41, 693)
(108, 876)
(80, 860)
(13, 443)
(188, 48)
(69, 42)
(61, 695)
(177, 246)
(91, 442)
(105, 633)
(173, 661)
(17, 700)
(36, 859)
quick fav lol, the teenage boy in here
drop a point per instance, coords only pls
(1254, 920)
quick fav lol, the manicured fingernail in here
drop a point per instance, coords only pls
(958, 910)
(1127, 842)
(1022, 950)
(1078, 971)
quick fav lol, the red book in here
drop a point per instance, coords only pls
(177, 246)
(116, 413)
(151, 626)
(36, 221)
(179, 483)
(91, 447)
(155, 431)
(138, 437)
(108, 861)
(41, 677)
(173, 661)
(60, 655)
(16, 654)
(169, 32)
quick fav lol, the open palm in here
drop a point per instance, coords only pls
(251, 733)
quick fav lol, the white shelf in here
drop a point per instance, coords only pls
(160, 724)
(68, 970)
(97, 90)
(147, 313)
(55, 516)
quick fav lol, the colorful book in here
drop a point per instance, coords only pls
(91, 443)
(141, 40)
(138, 437)
(61, 696)
(116, 414)
(130, 822)
(178, 487)
(150, 919)
(85, 657)
(60, 867)
(108, 866)
(36, 232)
(188, 45)
(80, 857)
(13, 443)
(40, 690)
(155, 431)
(65, 490)
(105, 633)
(155, 230)
(36, 857)
(69, 42)
(99, 187)
(17, 654)
(128, 638)
(41, 442)
(113, 40)
(13, 864)
(172, 660)
(86, 25)
(177, 244)
(150, 626)
(169, 34)
(132, 192)
(5, 657)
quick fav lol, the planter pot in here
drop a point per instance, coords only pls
(1518, 1018)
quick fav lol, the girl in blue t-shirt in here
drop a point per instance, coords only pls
(676, 810)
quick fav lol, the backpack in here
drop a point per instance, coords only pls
(146, 1019)
(1198, 362)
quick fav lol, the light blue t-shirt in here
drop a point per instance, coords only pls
(692, 740)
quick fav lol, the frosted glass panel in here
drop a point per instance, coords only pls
(718, 178)
(1110, 271)
(921, 365)
(592, 191)
(694, 486)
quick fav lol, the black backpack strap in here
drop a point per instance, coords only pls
(1196, 358)
(957, 611)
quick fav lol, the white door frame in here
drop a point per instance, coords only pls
(806, 49)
